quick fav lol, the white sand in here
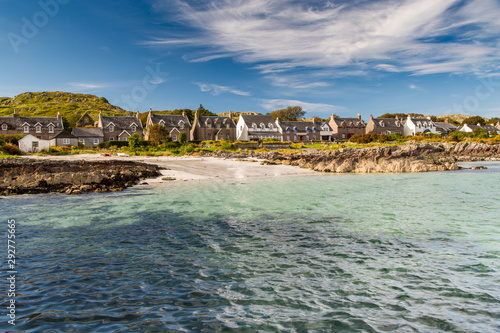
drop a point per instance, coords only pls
(187, 168)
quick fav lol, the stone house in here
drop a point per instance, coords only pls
(413, 126)
(385, 125)
(174, 123)
(44, 128)
(64, 139)
(299, 131)
(213, 128)
(89, 136)
(257, 127)
(32, 144)
(344, 128)
(119, 128)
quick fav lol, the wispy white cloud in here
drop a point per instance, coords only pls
(87, 85)
(215, 89)
(420, 37)
(276, 104)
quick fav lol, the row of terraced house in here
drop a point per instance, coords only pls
(43, 132)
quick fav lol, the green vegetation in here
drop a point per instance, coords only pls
(291, 113)
(48, 104)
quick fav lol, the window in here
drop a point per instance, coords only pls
(96, 141)
(227, 125)
(174, 137)
(254, 126)
(65, 141)
(209, 125)
(26, 129)
(217, 125)
(181, 125)
(262, 126)
(227, 136)
(111, 128)
(38, 129)
(51, 129)
(111, 139)
(270, 126)
(34, 144)
(83, 142)
(343, 136)
(134, 128)
(4, 127)
(124, 138)
(288, 138)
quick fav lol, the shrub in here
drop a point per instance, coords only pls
(481, 133)
(182, 137)
(134, 140)
(299, 145)
(13, 139)
(11, 149)
(227, 145)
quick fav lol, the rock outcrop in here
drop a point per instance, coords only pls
(29, 176)
(423, 157)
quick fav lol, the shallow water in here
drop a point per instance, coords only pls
(331, 253)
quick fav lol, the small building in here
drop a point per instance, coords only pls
(32, 144)
(326, 132)
(344, 128)
(445, 127)
(257, 127)
(43, 128)
(88, 136)
(119, 128)
(385, 126)
(469, 128)
(85, 120)
(299, 131)
(215, 128)
(64, 139)
(413, 126)
(173, 123)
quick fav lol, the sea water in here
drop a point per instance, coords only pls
(320, 253)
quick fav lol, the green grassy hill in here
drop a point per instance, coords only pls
(48, 104)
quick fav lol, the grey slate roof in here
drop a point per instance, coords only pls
(257, 119)
(64, 134)
(349, 122)
(388, 122)
(87, 132)
(490, 128)
(300, 126)
(445, 127)
(16, 123)
(121, 122)
(170, 120)
(221, 120)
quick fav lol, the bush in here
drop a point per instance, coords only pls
(171, 144)
(227, 145)
(134, 140)
(299, 145)
(481, 133)
(182, 137)
(13, 139)
(11, 149)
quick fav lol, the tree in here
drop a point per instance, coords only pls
(481, 133)
(474, 120)
(494, 121)
(182, 137)
(134, 140)
(291, 113)
(157, 133)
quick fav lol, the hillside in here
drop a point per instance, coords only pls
(48, 104)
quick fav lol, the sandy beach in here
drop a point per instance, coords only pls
(186, 168)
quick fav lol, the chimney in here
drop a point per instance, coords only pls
(409, 117)
(371, 117)
(397, 117)
(447, 120)
(429, 117)
(138, 115)
(183, 113)
(359, 116)
(59, 117)
(16, 115)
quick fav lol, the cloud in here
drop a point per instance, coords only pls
(276, 104)
(88, 86)
(421, 37)
(215, 89)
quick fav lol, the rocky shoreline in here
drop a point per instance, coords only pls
(423, 157)
(30, 176)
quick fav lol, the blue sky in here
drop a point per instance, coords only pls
(343, 57)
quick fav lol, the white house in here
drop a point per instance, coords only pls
(32, 144)
(257, 127)
(469, 128)
(418, 125)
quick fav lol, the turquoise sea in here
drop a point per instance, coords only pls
(316, 253)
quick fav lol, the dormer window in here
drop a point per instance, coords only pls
(262, 126)
(217, 125)
(134, 128)
(38, 129)
(227, 125)
(181, 125)
(51, 129)
(111, 128)
(161, 123)
(254, 125)
(4, 127)
(270, 125)
(308, 129)
(396, 123)
(26, 129)
(209, 124)
(381, 124)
